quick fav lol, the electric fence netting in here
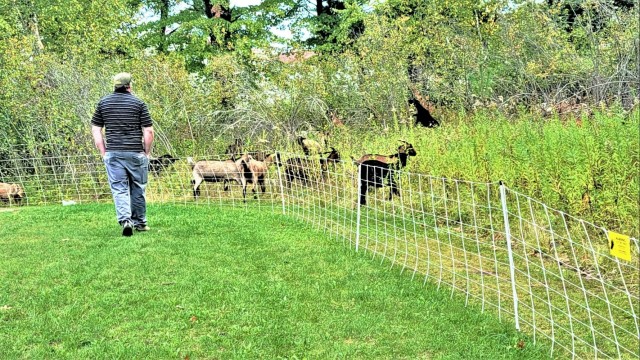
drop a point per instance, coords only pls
(551, 274)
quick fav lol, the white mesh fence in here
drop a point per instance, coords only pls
(549, 273)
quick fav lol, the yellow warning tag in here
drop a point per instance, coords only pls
(620, 245)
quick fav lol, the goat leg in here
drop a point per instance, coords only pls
(393, 190)
(288, 178)
(363, 192)
(196, 185)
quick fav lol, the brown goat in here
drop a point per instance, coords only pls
(157, 165)
(335, 119)
(9, 192)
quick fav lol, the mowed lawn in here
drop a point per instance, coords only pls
(220, 283)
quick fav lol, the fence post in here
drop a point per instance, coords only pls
(507, 230)
(359, 206)
(281, 187)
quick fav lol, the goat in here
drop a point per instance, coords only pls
(373, 172)
(258, 170)
(309, 147)
(333, 157)
(216, 171)
(297, 168)
(157, 165)
(9, 192)
(235, 149)
(423, 116)
(337, 122)
(405, 148)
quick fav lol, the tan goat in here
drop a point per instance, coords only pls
(258, 170)
(216, 171)
(9, 192)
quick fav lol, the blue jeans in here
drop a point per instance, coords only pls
(127, 172)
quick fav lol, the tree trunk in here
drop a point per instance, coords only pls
(217, 11)
(208, 8)
(164, 15)
(36, 33)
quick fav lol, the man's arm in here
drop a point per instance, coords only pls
(96, 131)
(147, 136)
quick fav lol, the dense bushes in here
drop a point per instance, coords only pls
(489, 72)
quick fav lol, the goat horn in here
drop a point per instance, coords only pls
(404, 141)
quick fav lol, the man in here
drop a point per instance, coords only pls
(129, 136)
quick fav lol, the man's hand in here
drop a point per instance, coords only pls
(147, 137)
(96, 131)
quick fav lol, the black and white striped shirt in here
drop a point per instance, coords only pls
(123, 116)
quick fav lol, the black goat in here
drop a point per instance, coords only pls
(235, 150)
(423, 116)
(405, 148)
(297, 168)
(157, 165)
(333, 157)
(373, 173)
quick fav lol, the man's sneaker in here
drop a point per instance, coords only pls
(142, 227)
(127, 229)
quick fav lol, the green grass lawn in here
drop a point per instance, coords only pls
(220, 283)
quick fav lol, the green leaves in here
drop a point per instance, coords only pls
(197, 30)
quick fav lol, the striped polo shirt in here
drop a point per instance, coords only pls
(123, 116)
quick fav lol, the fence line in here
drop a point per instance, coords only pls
(548, 272)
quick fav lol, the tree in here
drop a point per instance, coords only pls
(198, 29)
(333, 24)
(72, 26)
(595, 14)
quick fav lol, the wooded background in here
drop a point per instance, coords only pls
(211, 72)
(201, 62)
